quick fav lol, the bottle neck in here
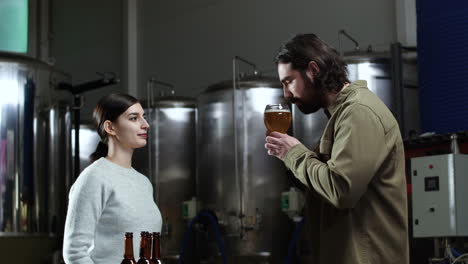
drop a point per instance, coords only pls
(128, 254)
(148, 247)
(143, 246)
(156, 248)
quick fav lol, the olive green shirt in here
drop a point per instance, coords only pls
(357, 208)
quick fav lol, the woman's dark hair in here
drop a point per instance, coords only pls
(109, 107)
(303, 48)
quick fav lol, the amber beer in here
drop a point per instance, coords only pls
(277, 120)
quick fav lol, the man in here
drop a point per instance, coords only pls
(357, 178)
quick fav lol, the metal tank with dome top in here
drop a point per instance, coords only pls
(236, 179)
(168, 160)
(35, 147)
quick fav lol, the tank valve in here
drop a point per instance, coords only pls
(292, 203)
(253, 222)
(258, 219)
(190, 208)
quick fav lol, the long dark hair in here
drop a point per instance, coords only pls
(303, 48)
(109, 107)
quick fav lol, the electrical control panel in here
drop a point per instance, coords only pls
(440, 195)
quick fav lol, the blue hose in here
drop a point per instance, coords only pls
(292, 242)
(455, 253)
(215, 226)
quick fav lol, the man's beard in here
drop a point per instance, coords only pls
(316, 99)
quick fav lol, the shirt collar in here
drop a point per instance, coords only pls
(344, 93)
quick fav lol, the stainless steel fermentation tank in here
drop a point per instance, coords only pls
(236, 179)
(169, 161)
(35, 147)
(393, 77)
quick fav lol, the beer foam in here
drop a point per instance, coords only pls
(277, 110)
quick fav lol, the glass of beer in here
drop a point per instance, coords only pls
(277, 117)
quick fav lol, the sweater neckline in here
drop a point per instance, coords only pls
(115, 165)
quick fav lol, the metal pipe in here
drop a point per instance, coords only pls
(91, 85)
(76, 123)
(150, 104)
(234, 116)
(77, 90)
(410, 48)
(343, 32)
(246, 62)
(397, 83)
(165, 84)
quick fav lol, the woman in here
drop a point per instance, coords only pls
(109, 197)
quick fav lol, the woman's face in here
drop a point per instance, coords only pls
(131, 128)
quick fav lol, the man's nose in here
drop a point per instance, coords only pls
(287, 94)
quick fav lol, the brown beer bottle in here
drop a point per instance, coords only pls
(128, 255)
(156, 257)
(143, 249)
(149, 239)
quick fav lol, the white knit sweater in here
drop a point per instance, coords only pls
(106, 201)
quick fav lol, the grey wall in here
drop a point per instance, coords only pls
(191, 43)
(88, 38)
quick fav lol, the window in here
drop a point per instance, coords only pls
(14, 25)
